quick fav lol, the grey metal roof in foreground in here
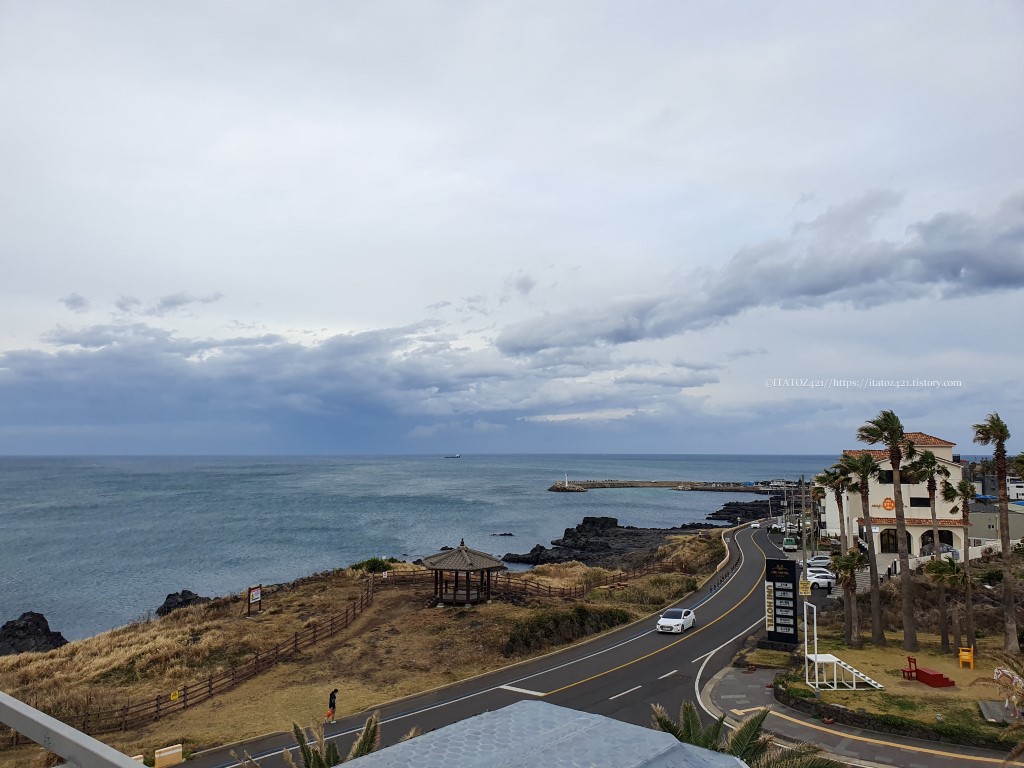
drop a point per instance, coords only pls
(462, 558)
(534, 733)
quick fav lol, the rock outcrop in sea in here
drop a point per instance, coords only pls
(27, 633)
(732, 511)
(601, 541)
(182, 599)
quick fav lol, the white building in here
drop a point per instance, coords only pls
(916, 507)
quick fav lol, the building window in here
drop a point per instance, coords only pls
(917, 501)
(887, 539)
(885, 478)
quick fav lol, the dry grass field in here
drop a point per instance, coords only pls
(884, 665)
(396, 648)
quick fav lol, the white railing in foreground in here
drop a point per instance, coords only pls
(80, 750)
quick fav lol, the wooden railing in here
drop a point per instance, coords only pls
(133, 715)
(507, 584)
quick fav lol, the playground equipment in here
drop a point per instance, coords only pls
(829, 671)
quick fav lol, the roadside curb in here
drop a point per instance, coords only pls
(705, 587)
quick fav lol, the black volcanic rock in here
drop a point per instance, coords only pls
(601, 541)
(29, 632)
(182, 599)
(540, 555)
(747, 510)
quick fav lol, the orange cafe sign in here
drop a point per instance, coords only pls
(888, 504)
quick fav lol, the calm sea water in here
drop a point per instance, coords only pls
(94, 542)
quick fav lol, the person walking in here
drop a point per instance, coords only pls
(331, 706)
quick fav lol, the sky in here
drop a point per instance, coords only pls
(503, 227)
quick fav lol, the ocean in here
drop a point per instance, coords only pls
(95, 542)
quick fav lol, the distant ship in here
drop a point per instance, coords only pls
(454, 456)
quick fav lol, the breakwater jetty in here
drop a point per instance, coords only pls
(675, 485)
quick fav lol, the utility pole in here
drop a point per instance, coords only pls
(803, 523)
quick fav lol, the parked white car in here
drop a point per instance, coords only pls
(676, 620)
(821, 580)
(820, 560)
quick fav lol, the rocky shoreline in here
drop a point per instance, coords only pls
(602, 542)
(597, 541)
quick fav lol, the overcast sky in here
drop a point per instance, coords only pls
(390, 227)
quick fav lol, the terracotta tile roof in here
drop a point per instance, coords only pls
(955, 522)
(925, 441)
(879, 455)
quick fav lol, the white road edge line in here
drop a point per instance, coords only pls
(696, 680)
(521, 690)
(668, 674)
(634, 688)
(438, 705)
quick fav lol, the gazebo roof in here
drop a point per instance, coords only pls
(462, 558)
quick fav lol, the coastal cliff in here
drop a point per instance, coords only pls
(601, 541)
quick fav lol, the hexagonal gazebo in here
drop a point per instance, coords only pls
(462, 576)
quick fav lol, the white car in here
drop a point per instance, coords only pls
(821, 560)
(821, 581)
(755, 525)
(676, 620)
(821, 572)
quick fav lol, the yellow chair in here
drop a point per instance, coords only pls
(967, 656)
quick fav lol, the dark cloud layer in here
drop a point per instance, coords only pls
(565, 381)
(830, 260)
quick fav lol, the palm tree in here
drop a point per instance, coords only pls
(886, 428)
(317, 752)
(929, 468)
(947, 572)
(861, 468)
(748, 742)
(837, 480)
(1017, 464)
(845, 568)
(964, 493)
(993, 431)
(817, 500)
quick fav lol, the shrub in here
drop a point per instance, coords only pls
(375, 564)
(992, 577)
(801, 693)
(553, 627)
(896, 721)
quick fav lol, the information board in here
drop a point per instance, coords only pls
(780, 600)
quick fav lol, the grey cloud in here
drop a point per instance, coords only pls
(829, 260)
(127, 304)
(75, 302)
(670, 380)
(176, 301)
(739, 354)
(147, 336)
(523, 284)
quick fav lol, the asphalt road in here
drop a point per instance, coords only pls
(618, 675)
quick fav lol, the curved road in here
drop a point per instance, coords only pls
(618, 675)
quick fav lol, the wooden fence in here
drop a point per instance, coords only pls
(133, 715)
(507, 584)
